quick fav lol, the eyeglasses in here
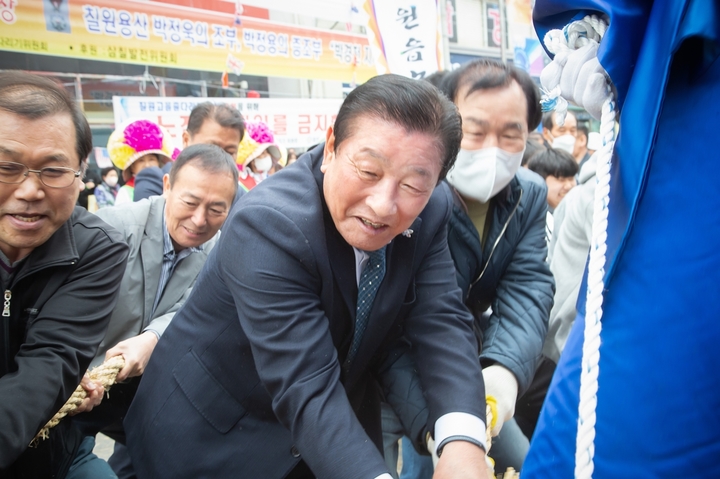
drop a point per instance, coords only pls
(53, 176)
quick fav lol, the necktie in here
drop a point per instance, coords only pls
(370, 280)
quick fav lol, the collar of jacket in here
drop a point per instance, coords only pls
(503, 207)
(507, 197)
(59, 249)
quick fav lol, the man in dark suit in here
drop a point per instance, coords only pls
(269, 369)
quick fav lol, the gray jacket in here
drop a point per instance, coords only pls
(141, 224)
(569, 251)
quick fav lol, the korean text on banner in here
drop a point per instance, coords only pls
(295, 122)
(165, 35)
(405, 36)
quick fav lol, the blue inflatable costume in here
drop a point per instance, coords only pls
(658, 396)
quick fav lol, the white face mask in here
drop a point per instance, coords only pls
(263, 164)
(111, 181)
(481, 174)
(565, 142)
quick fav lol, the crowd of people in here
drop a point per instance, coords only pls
(285, 317)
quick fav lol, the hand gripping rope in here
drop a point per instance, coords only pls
(103, 374)
(575, 75)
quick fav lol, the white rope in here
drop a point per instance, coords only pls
(575, 36)
(585, 442)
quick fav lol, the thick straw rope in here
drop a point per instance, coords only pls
(574, 36)
(103, 374)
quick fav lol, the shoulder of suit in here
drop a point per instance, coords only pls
(131, 219)
(293, 193)
(128, 213)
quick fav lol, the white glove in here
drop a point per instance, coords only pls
(581, 78)
(501, 384)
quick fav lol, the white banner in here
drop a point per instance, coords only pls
(295, 122)
(407, 33)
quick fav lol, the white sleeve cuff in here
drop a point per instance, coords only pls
(458, 426)
(384, 476)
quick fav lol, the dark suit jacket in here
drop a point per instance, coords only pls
(247, 377)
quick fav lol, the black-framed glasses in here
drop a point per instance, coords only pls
(53, 176)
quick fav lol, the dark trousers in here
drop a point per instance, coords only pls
(528, 406)
(107, 418)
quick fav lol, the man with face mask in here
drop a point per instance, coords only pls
(558, 136)
(497, 240)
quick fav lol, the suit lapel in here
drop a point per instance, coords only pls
(151, 251)
(185, 273)
(342, 263)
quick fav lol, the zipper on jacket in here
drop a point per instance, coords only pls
(6, 305)
(6, 337)
(497, 241)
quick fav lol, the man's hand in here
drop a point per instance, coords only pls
(461, 460)
(501, 384)
(136, 352)
(94, 395)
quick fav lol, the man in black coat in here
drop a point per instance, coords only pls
(269, 369)
(60, 270)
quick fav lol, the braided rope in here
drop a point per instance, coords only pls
(585, 442)
(103, 374)
(572, 37)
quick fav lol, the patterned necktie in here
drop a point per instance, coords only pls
(370, 280)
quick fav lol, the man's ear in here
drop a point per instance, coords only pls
(329, 150)
(185, 139)
(166, 184)
(547, 135)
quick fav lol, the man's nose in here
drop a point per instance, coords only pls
(490, 141)
(199, 218)
(383, 199)
(31, 189)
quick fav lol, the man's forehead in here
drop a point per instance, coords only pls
(187, 182)
(49, 138)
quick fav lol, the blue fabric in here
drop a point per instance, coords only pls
(370, 279)
(657, 399)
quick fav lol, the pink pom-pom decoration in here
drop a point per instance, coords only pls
(175, 154)
(259, 131)
(143, 135)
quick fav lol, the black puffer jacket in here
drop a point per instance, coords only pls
(507, 285)
(55, 312)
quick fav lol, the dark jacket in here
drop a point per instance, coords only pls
(247, 377)
(59, 305)
(509, 275)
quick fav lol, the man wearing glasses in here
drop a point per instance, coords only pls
(60, 270)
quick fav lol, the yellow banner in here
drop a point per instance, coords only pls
(159, 34)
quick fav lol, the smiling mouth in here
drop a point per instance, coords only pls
(27, 219)
(373, 225)
(193, 232)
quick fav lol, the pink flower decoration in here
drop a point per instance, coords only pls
(260, 132)
(143, 135)
(175, 154)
